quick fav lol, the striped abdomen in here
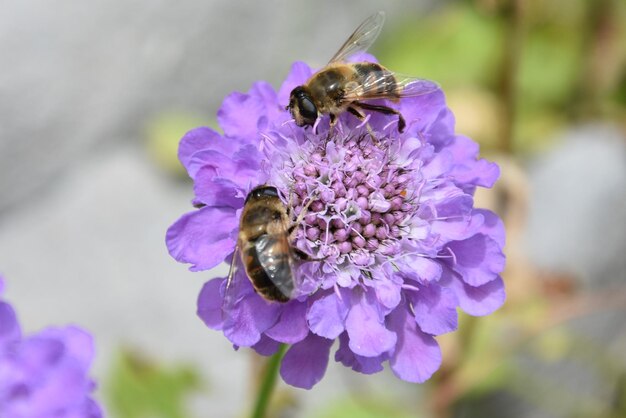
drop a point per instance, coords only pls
(375, 80)
(268, 266)
(264, 245)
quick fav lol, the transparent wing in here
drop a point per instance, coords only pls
(362, 38)
(236, 288)
(273, 253)
(388, 85)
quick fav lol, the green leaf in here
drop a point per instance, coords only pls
(138, 387)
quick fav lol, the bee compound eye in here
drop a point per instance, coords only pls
(307, 109)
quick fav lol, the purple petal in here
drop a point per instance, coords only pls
(249, 316)
(79, 345)
(224, 181)
(417, 355)
(457, 228)
(366, 365)
(89, 409)
(438, 166)
(210, 303)
(425, 269)
(266, 346)
(213, 191)
(479, 300)
(326, 316)
(493, 226)
(221, 165)
(366, 328)
(9, 327)
(406, 148)
(67, 383)
(291, 327)
(441, 131)
(201, 139)
(298, 75)
(478, 259)
(41, 350)
(265, 94)
(387, 287)
(203, 238)
(242, 166)
(427, 113)
(457, 206)
(468, 169)
(230, 117)
(305, 363)
(435, 309)
(45, 374)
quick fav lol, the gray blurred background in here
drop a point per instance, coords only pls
(83, 207)
(93, 99)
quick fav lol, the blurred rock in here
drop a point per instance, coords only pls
(80, 76)
(93, 253)
(83, 212)
(577, 214)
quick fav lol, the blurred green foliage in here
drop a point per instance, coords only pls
(455, 46)
(163, 133)
(139, 387)
(566, 61)
(569, 64)
(354, 407)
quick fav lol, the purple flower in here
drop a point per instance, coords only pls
(45, 374)
(398, 243)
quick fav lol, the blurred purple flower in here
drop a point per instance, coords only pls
(44, 374)
(394, 223)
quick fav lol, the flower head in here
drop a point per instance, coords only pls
(44, 374)
(388, 220)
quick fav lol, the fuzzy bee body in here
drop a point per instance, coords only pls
(347, 86)
(263, 244)
(336, 87)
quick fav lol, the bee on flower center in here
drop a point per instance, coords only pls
(264, 245)
(347, 86)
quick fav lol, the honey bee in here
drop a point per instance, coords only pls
(343, 86)
(264, 245)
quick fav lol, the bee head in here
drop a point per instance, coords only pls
(262, 191)
(301, 107)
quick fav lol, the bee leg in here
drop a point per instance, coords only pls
(293, 228)
(331, 129)
(333, 121)
(290, 203)
(355, 110)
(292, 231)
(301, 255)
(231, 272)
(387, 111)
(290, 211)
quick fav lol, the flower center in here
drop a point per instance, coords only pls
(356, 202)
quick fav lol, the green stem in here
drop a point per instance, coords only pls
(268, 383)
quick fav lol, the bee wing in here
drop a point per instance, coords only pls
(388, 85)
(235, 289)
(362, 38)
(274, 253)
